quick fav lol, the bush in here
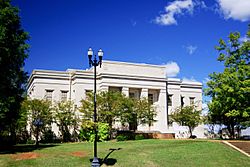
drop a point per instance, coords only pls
(129, 134)
(29, 141)
(103, 131)
(48, 136)
(139, 137)
(87, 131)
(22, 137)
(121, 138)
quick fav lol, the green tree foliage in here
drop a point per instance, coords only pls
(87, 131)
(114, 106)
(39, 116)
(230, 89)
(87, 107)
(21, 130)
(108, 106)
(13, 52)
(146, 112)
(127, 113)
(66, 119)
(187, 116)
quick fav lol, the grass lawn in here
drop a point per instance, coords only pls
(146, 153)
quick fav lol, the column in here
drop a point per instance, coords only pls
(125, 91)
(144, 93)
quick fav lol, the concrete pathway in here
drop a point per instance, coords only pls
(241, 146)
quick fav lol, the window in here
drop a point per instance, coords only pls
(170, 100)
(182, 101)
(132, 95)
(48, 95)
(151, 98)
(191, 100)
(64, 95)
(115, 89)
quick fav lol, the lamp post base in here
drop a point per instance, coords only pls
(95, 162)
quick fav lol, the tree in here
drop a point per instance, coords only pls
(65, 118)
(230, 89)
(87, 107)
(13, 52)
(21, 130)
(112, 106)
(187, 116)
(108, 106)
(39, 116)
(146, 112)
(127, 113)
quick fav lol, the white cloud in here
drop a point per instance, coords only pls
(172, 69)
(133, 22)
(235, 9)
(189, 79)
(204, 82)
(176, 8)
(191, 49)
(244, 39)
(200, 4)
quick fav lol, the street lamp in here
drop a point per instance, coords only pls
(95, 63)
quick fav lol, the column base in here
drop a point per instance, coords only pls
(95, 162)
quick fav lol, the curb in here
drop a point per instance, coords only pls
(236, 148)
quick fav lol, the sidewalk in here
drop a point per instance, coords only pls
(242, 146)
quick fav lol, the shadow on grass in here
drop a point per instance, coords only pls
(23, 148)
(108, 161)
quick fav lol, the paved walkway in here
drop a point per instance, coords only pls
(242, 146)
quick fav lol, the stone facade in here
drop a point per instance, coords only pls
(137, 80)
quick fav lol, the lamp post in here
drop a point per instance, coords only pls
(95, 63)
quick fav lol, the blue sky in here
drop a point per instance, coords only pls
(180, 33)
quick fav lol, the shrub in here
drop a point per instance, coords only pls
(22, 137)
(130, 135)
(87, 131)
(103, 131)
(48, 136)
(139, 137)
(29, 141)
(121, 138)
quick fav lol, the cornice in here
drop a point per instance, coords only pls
(134, 64)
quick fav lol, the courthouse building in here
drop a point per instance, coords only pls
(133, 80)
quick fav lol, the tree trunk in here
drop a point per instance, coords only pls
(233, 134)
(110, 129)
(37, 136)
(190, 131)
(230, 128)
(238, 130)
(13, 135)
